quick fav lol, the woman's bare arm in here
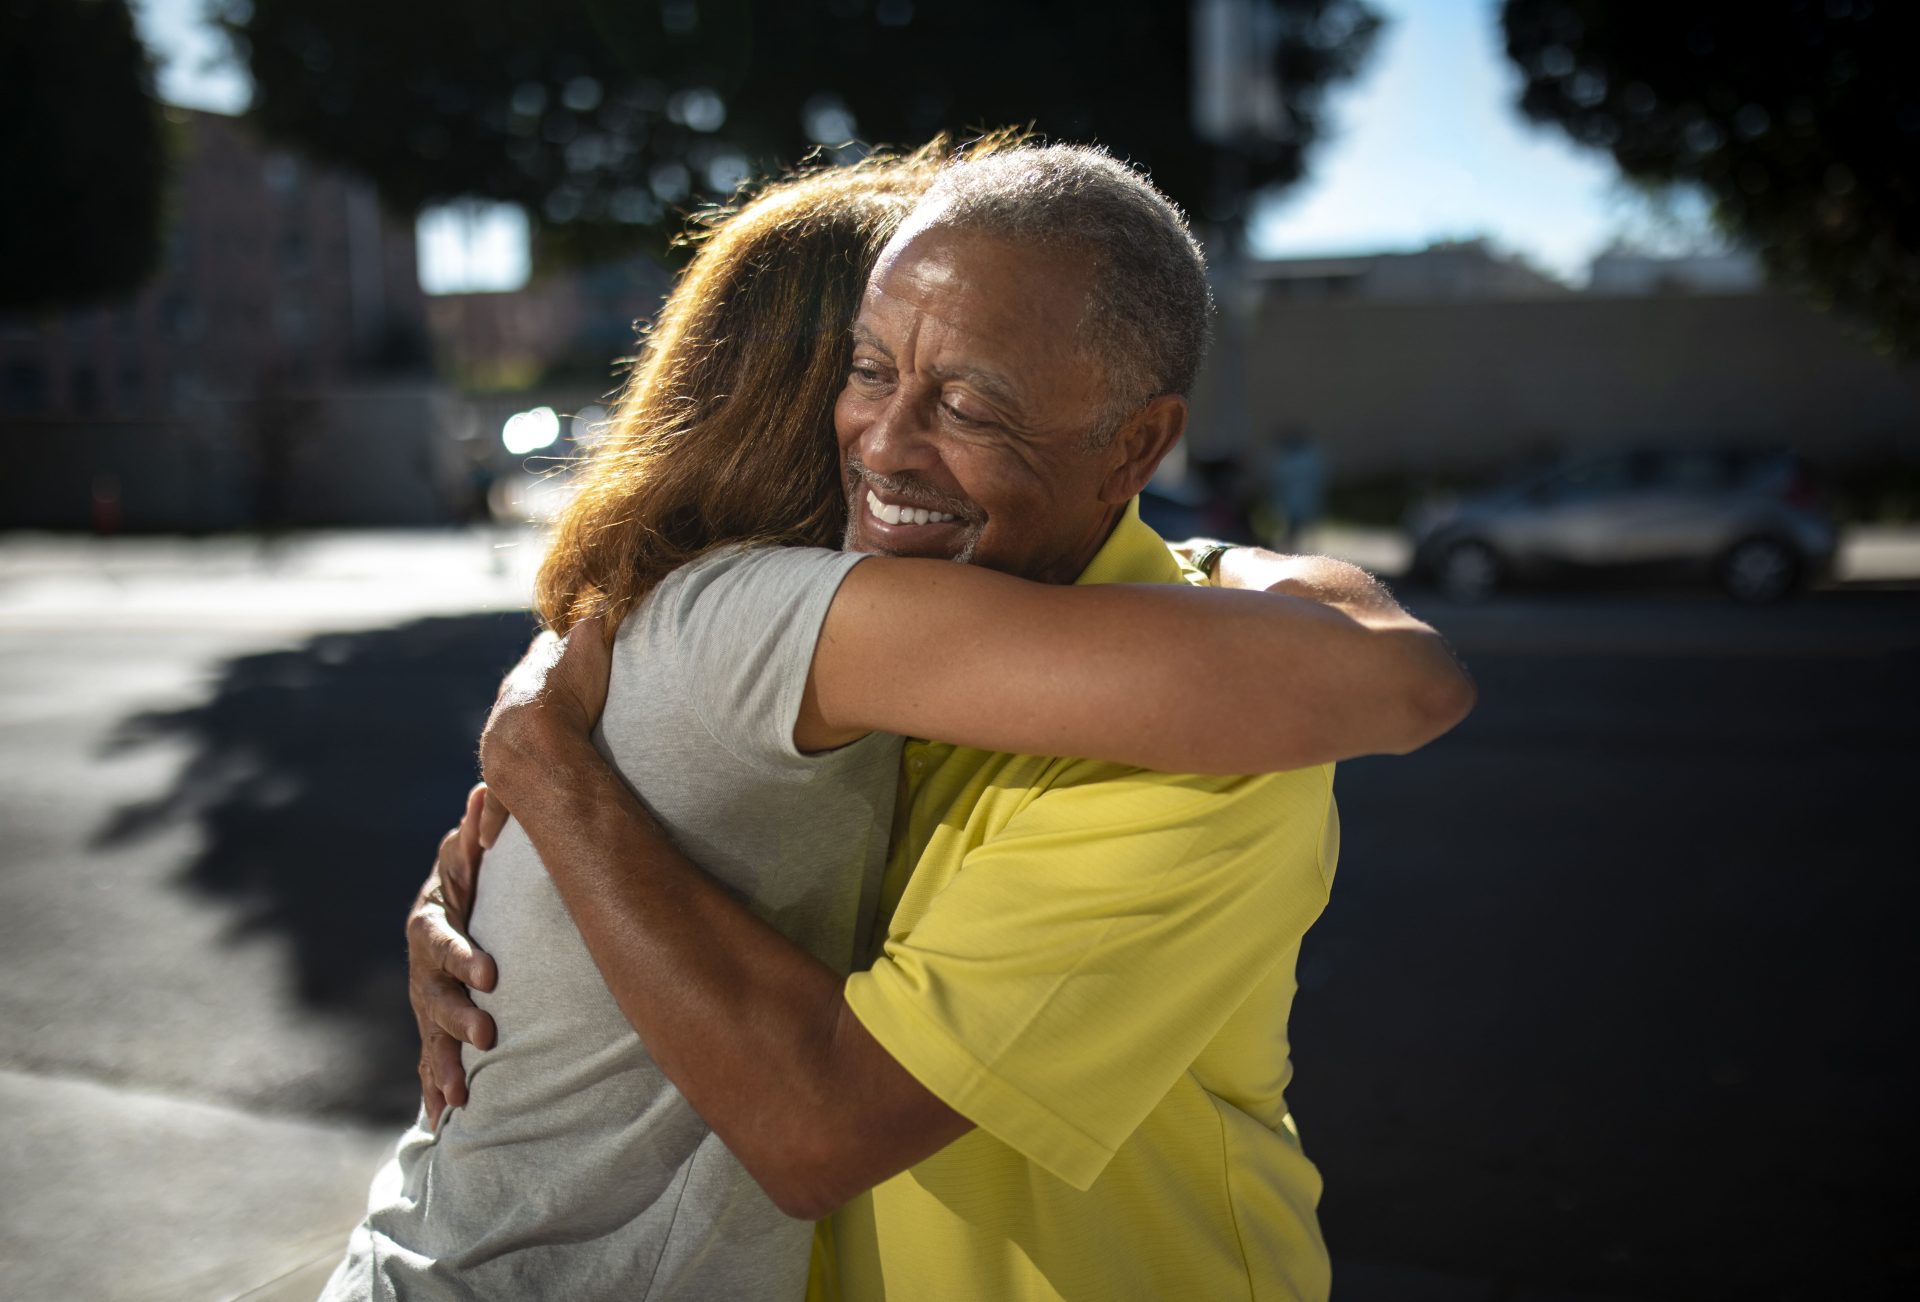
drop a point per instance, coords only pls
(1325, 667)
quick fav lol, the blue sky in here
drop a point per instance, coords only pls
(1427, 147)
(185, 49)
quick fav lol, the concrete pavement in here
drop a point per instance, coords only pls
(326, 580)
(170, 1200)
(190, 1109)
(116, 1192)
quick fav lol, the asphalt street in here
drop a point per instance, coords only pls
(1616, 990)
(1613, 1000)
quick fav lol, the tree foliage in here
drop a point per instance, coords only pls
(86, 158)
(608, 118)
(1800, 121)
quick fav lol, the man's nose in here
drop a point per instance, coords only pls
(900, 436)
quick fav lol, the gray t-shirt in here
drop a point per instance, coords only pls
(576, 1170)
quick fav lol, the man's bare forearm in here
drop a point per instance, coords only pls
(752, 1029)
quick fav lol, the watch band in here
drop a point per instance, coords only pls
(1209, 556)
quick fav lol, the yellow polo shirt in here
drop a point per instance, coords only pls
(1094, 964)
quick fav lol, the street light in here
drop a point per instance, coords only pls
(529, 431)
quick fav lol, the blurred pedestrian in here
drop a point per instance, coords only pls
(1297, 488)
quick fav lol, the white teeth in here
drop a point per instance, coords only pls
(892, 514)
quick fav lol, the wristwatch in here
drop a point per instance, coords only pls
(1209, 556)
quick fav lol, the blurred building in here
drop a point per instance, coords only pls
(275, 370)
(1452, 269)
(571, 323)
(1621, 271)
(1452, 363)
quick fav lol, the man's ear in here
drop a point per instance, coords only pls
(1141, 443)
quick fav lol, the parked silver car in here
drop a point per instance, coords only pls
(1743, 517)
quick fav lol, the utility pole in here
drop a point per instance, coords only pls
(1235, 106)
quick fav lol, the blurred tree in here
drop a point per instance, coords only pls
(86, 157)
(604, 117)
(1800, 121)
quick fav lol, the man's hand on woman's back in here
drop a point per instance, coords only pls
(558, 681)
(442, 961)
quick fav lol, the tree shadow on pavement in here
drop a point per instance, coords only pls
(321, 779)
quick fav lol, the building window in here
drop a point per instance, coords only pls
(179, 317)
(294, 260)
(295, 324)
(24, 390)
(281, 172)
(86, 391)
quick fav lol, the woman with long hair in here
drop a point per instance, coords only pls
(700, 540)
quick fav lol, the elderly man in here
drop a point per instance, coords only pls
(1064, 1073)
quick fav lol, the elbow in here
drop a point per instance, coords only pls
(807, 1188)
(1450, 704)
(804, 1205)
(1436, 706)
(806, 1159)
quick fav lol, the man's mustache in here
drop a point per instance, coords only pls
(908, 490)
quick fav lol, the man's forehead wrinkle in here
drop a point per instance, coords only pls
(951, 338)
(910, 318)
(928, 296)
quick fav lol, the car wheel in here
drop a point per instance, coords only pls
(1759, 570)
(1468, 570)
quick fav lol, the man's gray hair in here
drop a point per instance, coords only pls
(1147, 315)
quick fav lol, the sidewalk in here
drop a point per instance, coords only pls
(118, 1193)
(335, 579)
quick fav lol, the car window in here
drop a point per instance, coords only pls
(1583, 480)
(1769, 472)
(1690, 470)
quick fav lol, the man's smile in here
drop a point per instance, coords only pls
(903, 513)
(896, 518)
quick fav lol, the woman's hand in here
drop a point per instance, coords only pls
(1409, 659)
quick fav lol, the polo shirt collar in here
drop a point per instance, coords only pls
(1133, 553)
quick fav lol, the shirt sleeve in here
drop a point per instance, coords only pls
(1083, 956)
(742, 625)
